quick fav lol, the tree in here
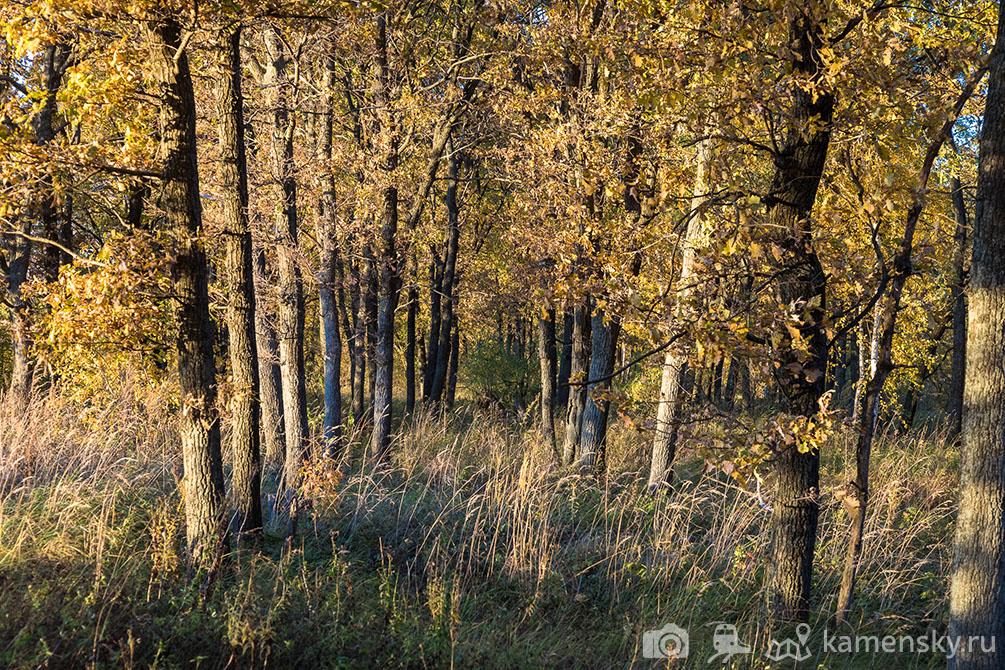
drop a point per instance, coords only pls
(239, 273)
(179, 198)
(977, 591)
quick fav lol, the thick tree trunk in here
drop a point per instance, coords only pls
(565, 363)
(546, 355)
(803, 365)
(578, 374)
(245, 438)
(179, 199)
(977, 593)
(593, 442)
(291, 303)
(269, 377)
(959, 296)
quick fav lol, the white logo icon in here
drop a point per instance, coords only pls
(726, 642)
(779, 650)
(667, 642)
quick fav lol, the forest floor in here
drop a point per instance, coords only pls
(470, 549)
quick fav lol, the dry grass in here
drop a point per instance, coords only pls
(471, 548)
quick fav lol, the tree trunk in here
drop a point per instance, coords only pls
(977, 593)
(802, 281)
(436, 270)
(199, 425)
(291, 304)
(413, 304)
(674, 386)
(387, 295)
(331, 338)
(593, 441)
(565, 365)
(455, 356)
(449, 280)
(959, 297)
(245, 438)
(269, 378)
(546, 354)
(577, 390)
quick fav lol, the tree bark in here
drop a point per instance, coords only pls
(801, 282)
(291, 304)
(269, 377)
(565, 364)
(577, 375)
(331, 338)
(413, 304)
(179, 199)
(546, 355)
(449, 280)
(593, 440)
(959, 297)
(435, 312)
(245, 438)
(977, 592)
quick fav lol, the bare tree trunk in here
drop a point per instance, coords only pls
(331, 338)
(455, 356)
(977, 592)
(546, 354)
(179, 198)
(565, 365)
(413, 304)
(387, 296)
(959, 297)
(577, 390)
(436, 271)
(270, 381)
(291, 304)
(449, 279)
(673, 386)
(246, 446)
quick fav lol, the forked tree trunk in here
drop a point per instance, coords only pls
(245, 438)
(546, 355)
(977, 592)
(179, 199)
(577, 390)
(959, 297)
(802, 281)
(442, 371)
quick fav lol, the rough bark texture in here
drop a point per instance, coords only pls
(801, 286)
(959, 296)
(977, 593)
(673, 386)
(179, 199)
(577, 390)
(546, 355)
(593, 442)
(245, 438)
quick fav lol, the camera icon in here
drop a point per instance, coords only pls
(668, 642)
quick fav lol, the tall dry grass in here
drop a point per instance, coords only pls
(470, 548)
